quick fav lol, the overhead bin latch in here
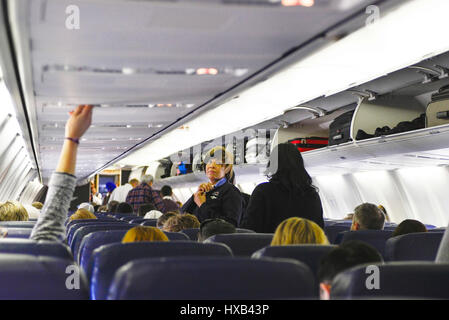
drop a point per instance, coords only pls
(317, 112)
(366, 94)
(431, 74)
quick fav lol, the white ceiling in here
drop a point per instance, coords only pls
(159, 40)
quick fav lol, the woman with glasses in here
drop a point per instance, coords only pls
(218, 198)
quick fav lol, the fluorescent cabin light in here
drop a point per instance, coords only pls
(401, 38)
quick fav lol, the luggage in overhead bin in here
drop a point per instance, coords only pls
(437, 112)
(307, 144)
(340, 129)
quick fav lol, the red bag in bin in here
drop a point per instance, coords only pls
(307, 144)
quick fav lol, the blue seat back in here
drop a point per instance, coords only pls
(71, 228)
(309, 254)
(128, 218)
(242, 244)
(109, 258)
(84, 230)
(17, 224)
(376, 238)
(213, 278)
(332, 231)
(421, 246)
(38, 278)
(192, 233)
(137, 220)
(23, 233)
(177, 236)
(93, 241)
(37, 248)
(241, 230)
(396, 280)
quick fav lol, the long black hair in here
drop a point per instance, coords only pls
(286, 167)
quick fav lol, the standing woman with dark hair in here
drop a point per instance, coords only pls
(218, 198)
(289, 193)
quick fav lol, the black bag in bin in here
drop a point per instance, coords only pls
(340, 129)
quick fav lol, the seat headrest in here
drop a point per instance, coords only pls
(213, 278)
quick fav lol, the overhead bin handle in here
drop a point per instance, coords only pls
(318, 112)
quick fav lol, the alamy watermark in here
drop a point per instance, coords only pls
(372, 282)
(72, 21)
(373, 13)
(72, 281)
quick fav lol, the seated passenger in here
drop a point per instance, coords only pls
(218, 198)
(180, 222)
(162, 219)
(124, 207)
(87, 206)
(167, 197)
(349, 216)
(211, 227)
(381, 207)
(153, 214)
(345, 256)
(368, 216)
(298, 231)
(189, 221)
(50, 225)
(13, 211)
(409, 226)
(112, 206)
(145, 208)
(82, 214)
(289, 193)
(144, 233)
(38, 205)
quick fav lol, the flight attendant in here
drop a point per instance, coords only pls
(218, 198)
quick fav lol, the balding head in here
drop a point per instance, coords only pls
(148, 179)
(368, 216)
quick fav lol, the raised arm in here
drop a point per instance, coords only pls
(50, 225)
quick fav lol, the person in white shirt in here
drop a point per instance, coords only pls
(119, 194)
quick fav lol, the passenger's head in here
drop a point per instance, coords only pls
(381, 207)
(298, 231)
(189, 221)
(103, 209)
(368, 216)
(112, 206)
(218, 163)
(13, 211)
(153, 214)
(124, 207)
(162, 219)
(180, 222)
(144, 208)
(409, 226)
(166, 191)
(286, 167)
(134, 182)
(82, 214)
(144, 233)
(87, 206)
(110, 186)
(147, 179)
(347, 255)
(211, 227)
(38, 205)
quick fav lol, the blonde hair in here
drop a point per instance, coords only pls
(13, 211)
(82, 214)
(189, 221)
(298, 231)
(144, 233)
(37, 205)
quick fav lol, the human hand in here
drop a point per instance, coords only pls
(199, 198)
(205, 187)
(79, 121)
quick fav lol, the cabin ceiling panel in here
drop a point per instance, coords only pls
(150, 53)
